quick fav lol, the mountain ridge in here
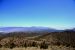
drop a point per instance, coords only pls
(31, 29)
(26, 29)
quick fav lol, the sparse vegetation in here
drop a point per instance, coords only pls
(24, 40)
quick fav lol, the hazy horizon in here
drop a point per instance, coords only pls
(37, 27)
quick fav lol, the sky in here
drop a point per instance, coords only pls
(58, 14)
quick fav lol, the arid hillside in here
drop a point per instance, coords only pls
(40, 40)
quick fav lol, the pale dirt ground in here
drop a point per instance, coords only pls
(35, 48)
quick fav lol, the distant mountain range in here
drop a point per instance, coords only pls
(30, 29)
(26, 29)
(50, 36)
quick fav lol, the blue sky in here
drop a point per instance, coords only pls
(58, 14)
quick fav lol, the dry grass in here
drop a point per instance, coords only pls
(35, 48)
